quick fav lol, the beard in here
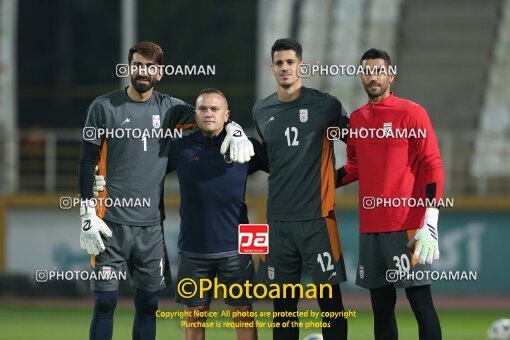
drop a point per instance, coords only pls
(286, 84)
(143, 87)
(377, 92)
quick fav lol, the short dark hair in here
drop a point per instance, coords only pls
(147, 49)
(287, 44)
(210, 90)
(374, 53)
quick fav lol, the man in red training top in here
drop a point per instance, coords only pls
(393, 152)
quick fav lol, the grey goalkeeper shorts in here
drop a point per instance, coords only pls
(385, 259)
(292, 244)
(141, 250)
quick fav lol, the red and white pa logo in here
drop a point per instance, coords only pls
(253, 239)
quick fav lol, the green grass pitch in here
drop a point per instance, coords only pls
(54, 323)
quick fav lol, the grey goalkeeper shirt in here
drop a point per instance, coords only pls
(301, 158)
(134, 144)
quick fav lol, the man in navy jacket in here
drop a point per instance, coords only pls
(212, 206)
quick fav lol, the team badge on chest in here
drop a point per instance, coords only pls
(270, 272)
(387, 129)
(303, 115)
(156, 122)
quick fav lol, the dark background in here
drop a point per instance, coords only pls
(68, 50)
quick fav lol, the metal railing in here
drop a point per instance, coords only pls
(47, 161)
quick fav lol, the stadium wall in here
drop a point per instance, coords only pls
(36, 235)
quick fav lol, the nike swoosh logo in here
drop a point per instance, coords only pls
(332, 275)
(269, 120)
(128, 120)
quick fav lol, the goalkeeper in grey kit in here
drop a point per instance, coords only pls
(293, 123)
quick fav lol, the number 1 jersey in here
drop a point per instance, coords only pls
(134, 139)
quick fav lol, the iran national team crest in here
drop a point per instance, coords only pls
(270, 272)
(387, 129)
(303, 115)
(361, 272)
(106, 273)
(156, 123)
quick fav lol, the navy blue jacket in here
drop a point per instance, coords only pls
(212, 192)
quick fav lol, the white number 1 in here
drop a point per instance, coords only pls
(144, 140)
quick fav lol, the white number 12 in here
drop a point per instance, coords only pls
(327, 256)
(288, 130)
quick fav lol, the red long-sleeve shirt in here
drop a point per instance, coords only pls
(391, 167)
